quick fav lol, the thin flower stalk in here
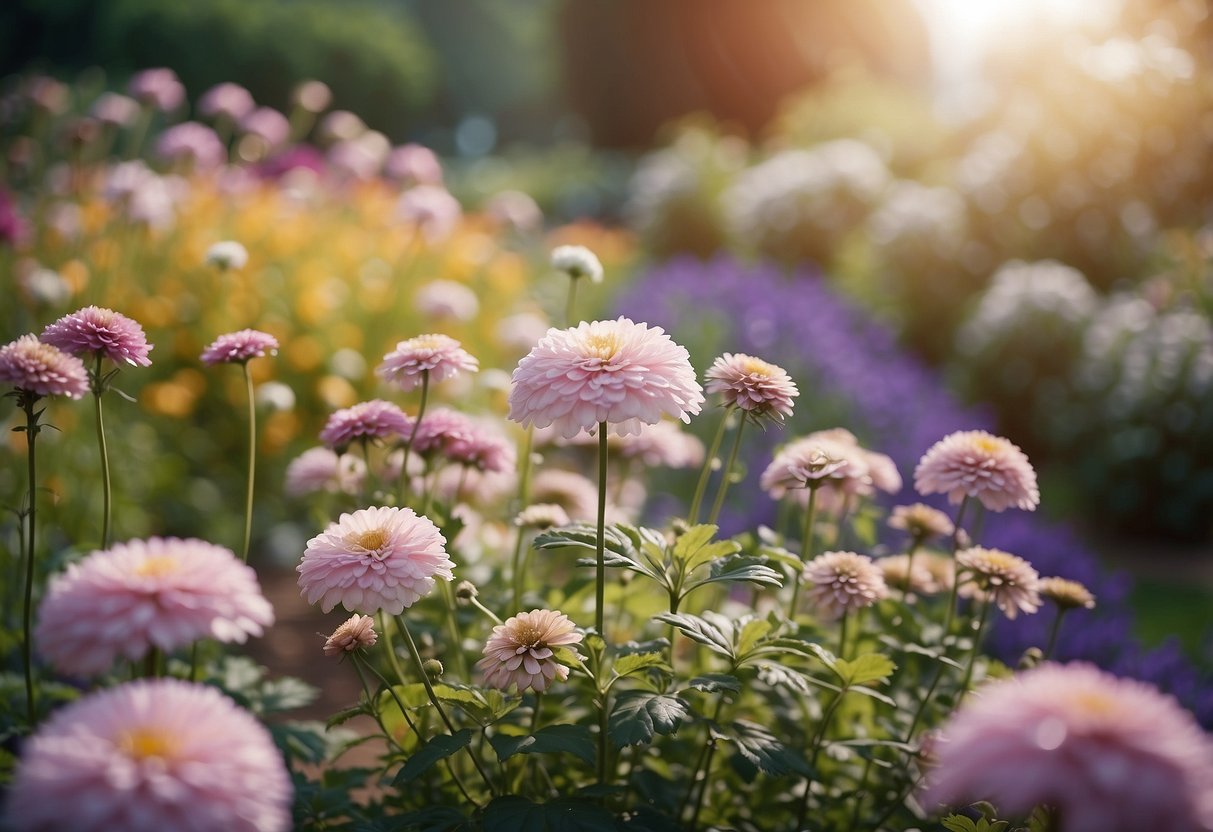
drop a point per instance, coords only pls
(727, 473)
(408, 443)
(27, 400)
(709, 462)
(252, 462)
(806, 545)
(106, 488)
(977, 634)
(600, 539)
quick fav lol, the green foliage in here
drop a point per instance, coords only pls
(432, 752)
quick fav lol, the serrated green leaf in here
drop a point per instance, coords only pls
(762, 749)
(571, 739)
(636, 662)
(739, 570)
(715, 683)
(752, 632)
(344, 716)
(701, 630)
(958, 823)
(694, 548)
(636, 715)
(865, 669)
(864, 690)
(429, 753)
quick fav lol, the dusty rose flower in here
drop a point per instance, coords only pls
(227, 254)
(812, 461)
(978, 464)
(1066, 594)
(432, 209)
(439, 355)
(239, 347)
(569, 490)
(1110, 754)
(374, 419)
(267, 124)
(941, 567)
(541, 516)
(1007, 580)
(312, 96)
(618, 372)
(226, 100)
(375, 559)
(577, 261)
(921, 522)
(839, 582)
(150, 756)
(514, 210)
(320, 469)
(115, 109)
(414, 164)
(191, 143)
(42, 369)
(663, 444)
(519, 653)
(483, 450)
(446, 299)
(442, 428)
(158, 87)
(897, 573)
(758, 388)
(161, 592)
(356, 632)
(94, 329)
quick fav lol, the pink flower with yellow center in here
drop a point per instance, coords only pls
(760, 389)
(978, 464)
(839, 582)
(1007, 580)
(439, 355)
(520, 651)
(160, 593)
(150, 756)
(355, 633)
(382, 558)
(617, 372)
(1108, 754)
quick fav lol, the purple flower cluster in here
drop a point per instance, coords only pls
(857, 375)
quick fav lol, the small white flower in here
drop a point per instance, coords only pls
(225, 255)
(577, 261)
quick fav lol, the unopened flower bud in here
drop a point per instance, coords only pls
(465, 591)
(1031, 658)
(433, 668)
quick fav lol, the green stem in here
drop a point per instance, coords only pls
(981, 626)
(600, 541)
(373, 703)
(955, 593)
(403, 487)
(723, 488)
(814, 751)
(914, 546)
(860, 793)
(433, 697)
(106, 490)
(842, 635)
(571, 303)
(709, 752)
(524, 493)
(702, 486)
(252, 461)
(27, 401)
(151, 663)
(392, 659)
(1053, 632)
(452, 625)
(806, 548)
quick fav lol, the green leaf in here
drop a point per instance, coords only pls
(344, 716)
(865, 669)
(715, 683)
(432, 819)
(763, 750)
(958, 823)
(428, 754)
(636, 662)
(636, 715)
(864, 690)
(517, 814)
(752, 632)
(700, 630)
(740, 570)
(694, 548)
(572, 739)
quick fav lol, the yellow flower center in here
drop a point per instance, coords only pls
(146, 743)
(372, 540)
(1095, 702)
(756, 367)
(988, 444)
(603, 346)
(528, 635)
(156, 567)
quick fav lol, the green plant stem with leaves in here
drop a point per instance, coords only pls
(806, 547)
(814, 752)
(600, 540)
(709, 462)
(727, 473)
(98, 385)
(709, 752)
(977, 634)
(27, 400)
(403, 486)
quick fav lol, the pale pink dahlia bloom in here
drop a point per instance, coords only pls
(664, 444)
(375, 559)
(618, 372)
(161, 592)
(439, 355)
(239, 347)
(519, 653)
(839, 582)
(356, 632)
(758, 388)
(921, 522)
(94, 329)
(899, 573)
(567, 489)
(812, 462)
(375, 419)
(1007, 580)
(1109, 754)
(150, 756)
(1066, 594)
(320, 469)
(541, 516)
(978, 464)
(42, 369)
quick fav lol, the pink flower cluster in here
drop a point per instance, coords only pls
(44, 370)
(95, 330)
(438, 355)
(240, 347)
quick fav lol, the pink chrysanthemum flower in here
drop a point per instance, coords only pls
(813, 461)
(569, 490)
(1007, 580)
(519, 653)
(355, 633)
(161, 592)
(839, 582)
(1066, 594)
(758, 388)
(94, 329)
(375, 419)
(439, 355)
(1109, 754)
(320, 469)
(374, 559)
(664, 444)
(239, 347)
(921, 522)
(900, 574)
(541, 516)
(978, 464)
(42, 369)
(618, 372)
(150, 756)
